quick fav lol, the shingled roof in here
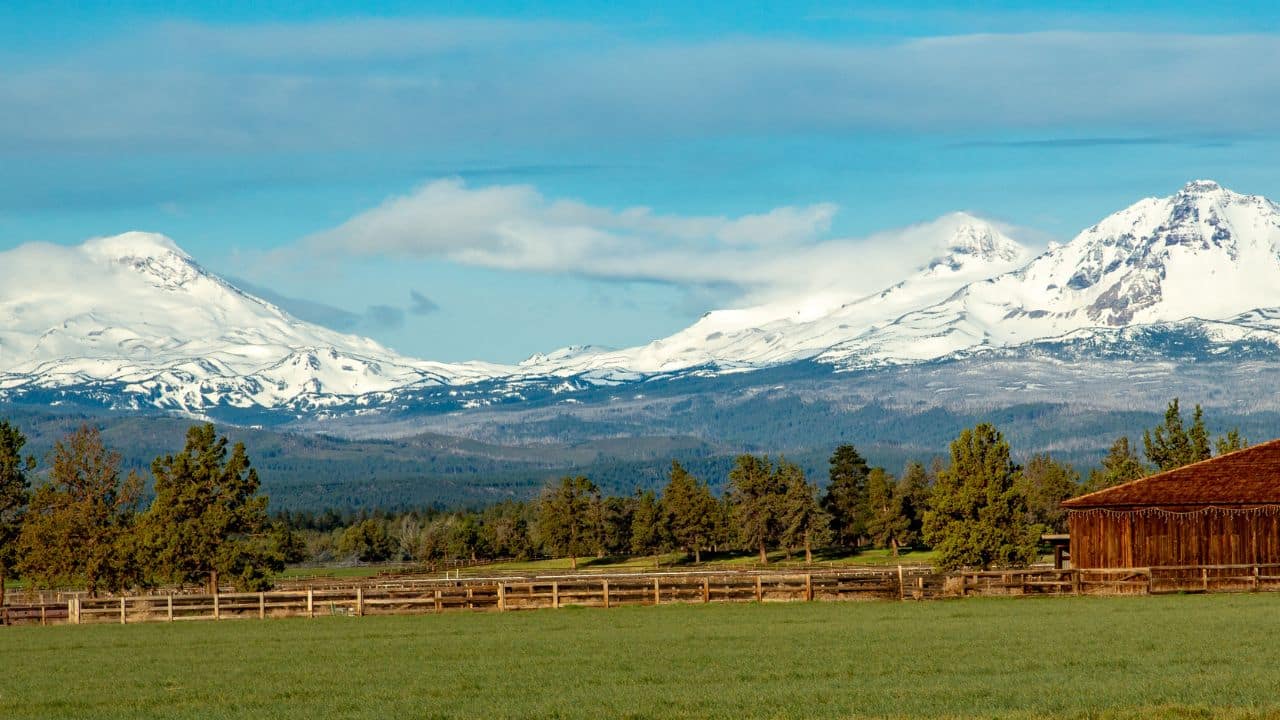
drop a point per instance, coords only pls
(1245, 477)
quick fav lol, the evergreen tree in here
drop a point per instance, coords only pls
(802, 521)
(1170, 445)
(367, 541)
(755, 493)
(1121, 465)
(846, 497)
(14, 486)
(1230, 442)
(978, 515)
(648, 530)
(690, 511)
(567, 517)
(887, 523)
(1046, 483)
(78, 524)
(208, 520)
(913, 493)
(618, 515)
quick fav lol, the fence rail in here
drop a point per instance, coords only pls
(487, 594)
(406, 595)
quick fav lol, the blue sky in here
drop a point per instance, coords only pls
(466, 180)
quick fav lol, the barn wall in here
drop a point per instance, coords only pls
(1102, 538)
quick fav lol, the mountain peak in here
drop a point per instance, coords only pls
(968, 238)
(1200, 187)
(134, 245)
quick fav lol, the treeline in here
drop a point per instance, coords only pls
(208, 520)
(770, 505)
(85, 526)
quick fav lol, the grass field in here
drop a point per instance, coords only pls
(1175, 656)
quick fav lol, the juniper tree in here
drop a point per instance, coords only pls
(14, 487)
(887, 523)
(802, 521)
(977, 516)
(1230, 442)
(208, 520)
(77, 525)
(1171, 445)
(689, 510)
(846, 497)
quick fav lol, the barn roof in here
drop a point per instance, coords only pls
(1245, 477)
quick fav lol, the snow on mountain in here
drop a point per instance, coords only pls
(971, 249)
(1205, 253)
(136, 313)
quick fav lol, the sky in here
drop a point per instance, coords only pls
(487, 180)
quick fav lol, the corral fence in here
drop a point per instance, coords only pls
(359, 597)
(1119, 581)
(409, 596)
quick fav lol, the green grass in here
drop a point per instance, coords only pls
(1177, 656)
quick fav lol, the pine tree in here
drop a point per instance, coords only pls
(14, 486)
(887, 524)
(1170, 445)
(1121, 465)
(690, 511)
(802, 521)
(1045, 484)
(978, 516)
(567, 518)
(77, 525)
(648, 531)
(846, 497)
(755, 494)
(208, 520)
(913, 493)
(1230, 442)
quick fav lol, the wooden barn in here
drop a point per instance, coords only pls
(1222, 511)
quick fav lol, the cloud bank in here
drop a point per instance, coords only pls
(779, 252)
(373, 83)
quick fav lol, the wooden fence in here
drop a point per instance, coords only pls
(407, 596)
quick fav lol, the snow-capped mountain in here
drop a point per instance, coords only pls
(1203, 254)
(134, 317)
(133, 321)
(972, 249)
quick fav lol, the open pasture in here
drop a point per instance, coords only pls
(1175, 656)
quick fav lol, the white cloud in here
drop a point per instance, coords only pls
(782, 251)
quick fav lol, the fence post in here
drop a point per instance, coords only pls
(73, 609)
(42, 615)
(262, 606)
(311, 603)
(217, 610)
(808, 587)
(1255, 578)
(759, 589)
(606, 594)
(122, 609)
(555, 594)
(439, 606)
(1075, 581)
(1204, 578)
(502, 597)
(706, 590)
(657, 593)
(169, 606)
(902, 591)
(920, 588)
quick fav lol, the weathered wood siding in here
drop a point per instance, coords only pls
(1153, 537)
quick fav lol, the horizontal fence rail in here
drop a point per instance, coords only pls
(407, 595)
